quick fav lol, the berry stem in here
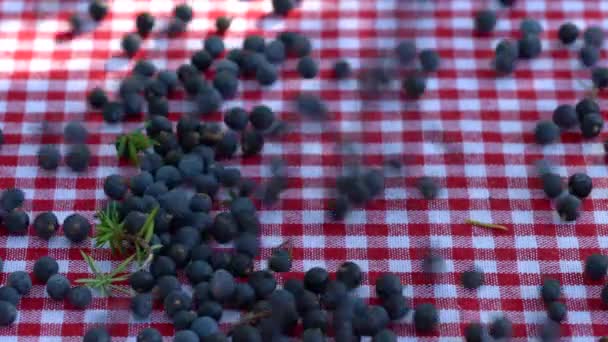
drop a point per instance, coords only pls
(254, 317)
(487, 225)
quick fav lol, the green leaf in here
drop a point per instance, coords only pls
(121, 278)
(120, 289)
(86, 281)
(122, 142)
(133, 154)
(89, 261)
(148, 229)
(138, 254)
(122, 266)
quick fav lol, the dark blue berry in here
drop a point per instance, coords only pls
(186, 336)
(12, 198)
(568, 33)
(550, 290)
(594, 35)
(280, 261)
(214, 45)
(501, 328)
(414, 85)
(144, 68)
(471, 279)
(300, 46)
(166, 284)
(530, 26)
(475, 332)
(406, 52)
(546, 132)
(224, 228)
(141, 305)
(429, 60)
(586, 106)
(183, 319)
(9, 294)
(130, 44)
(552, 184)
(204, 327)
(144, 23)
(396, 306)
(529, 46)
(222, 24)
(388, 284)
(592, 125)
(208, 101)
(211, 309)
(248, 244)
(176, 301)
(261, 117)
(275, 51)
(426, 317)
(254, 43)
(307, 67)
(226, 84)
(198, 271)
(48, 157)
(98, 9)
(222, 285)
(243, 296)
(589, 55)
(149, 335)
(385, 335)
(266, 73)
(76, 228)
(44, 268)
(20, 281)
(113, 112)
(162, 266)
(97, 98)
(183, 12)
(263, 283)
(168, 78)
(565, 116)
(568, 207)
(316, 279)
(176, 27)
(236, 118)
(556, 311)
(8, 313)
(580, 185)
(282, 7)
(75, 133)
(78, 157)
(57, 286)
(350, 274)
(140, 182)
(16, 222)
(485, 21)
(141, 281)
(311, 106)
(342, 69)
(115, 187)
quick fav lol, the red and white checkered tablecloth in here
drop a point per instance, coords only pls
(470, 129)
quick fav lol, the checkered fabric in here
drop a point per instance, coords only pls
(471, 130)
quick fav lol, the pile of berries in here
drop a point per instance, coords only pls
(567, 203)
(414, 84)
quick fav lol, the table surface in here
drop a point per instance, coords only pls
(471, 130)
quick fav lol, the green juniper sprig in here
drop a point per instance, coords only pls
(105, 283)
(110, 231)
(131, 144)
